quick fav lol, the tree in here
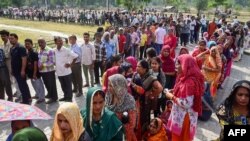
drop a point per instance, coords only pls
(17, 3)
(132, 4)
(5, 3)
(201, 5)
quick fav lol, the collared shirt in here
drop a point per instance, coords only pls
(159, 34)
(76, 49)
(17, 53)
(2, 58)
(46, 60)
(88, 54)
(64, 56)
(6, 48)
(100, 51)
(110, 48)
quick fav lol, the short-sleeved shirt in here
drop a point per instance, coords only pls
(32, 57)
(17, 53)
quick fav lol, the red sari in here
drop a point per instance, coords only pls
(171, 40)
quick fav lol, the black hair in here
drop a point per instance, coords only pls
(73, 36)
(158, 60)
(86, 34)
(14, 35)
(4, 32)
(100, 29)
(144, 64)
(101, 93)
(112, 60)
(29, 41)
(57, 38)
(151, 52)
(155, 122)
(126, 66)
(202, 41)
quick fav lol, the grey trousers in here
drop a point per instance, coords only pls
(86, 69)
(39, 88)
(5, 84)
(66, 85)
(77, 77)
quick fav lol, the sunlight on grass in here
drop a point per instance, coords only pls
(59, 27)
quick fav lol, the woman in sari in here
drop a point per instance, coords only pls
(171, 41)
(212, 70)
(200, 51)
(145, 89)
(183, 50)
(119, 101)
(168, 66)
(186, 96)
(132, 60)
(236, 108)
(30, 134)
(100, 123)
(68, 124)
(156, 131)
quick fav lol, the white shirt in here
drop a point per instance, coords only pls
(88, 54)
(159, 34)
(203, 21)
(192, 24)
(64, 56)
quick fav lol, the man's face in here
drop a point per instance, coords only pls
(72, 40)
(4, 38)
(13, 40)
(59, 42)
(28, 45)
(42, 43)
(86, 38)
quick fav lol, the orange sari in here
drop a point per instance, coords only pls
(161, 135)
(184, 136)
(212, 77)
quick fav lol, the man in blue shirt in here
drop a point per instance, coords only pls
(76, 67)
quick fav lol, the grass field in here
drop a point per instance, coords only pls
(51, 26)
(22, 35)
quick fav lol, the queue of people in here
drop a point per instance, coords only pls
(147, 90)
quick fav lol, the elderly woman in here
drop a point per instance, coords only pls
(236, 108)
(101, 123)
(68, 124)
(186, 97)
(122, 103)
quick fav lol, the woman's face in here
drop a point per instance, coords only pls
(213, 53)
(98, 104)
(165, 53)
(129, 72)
(118, 63)
(202, 46)
(178, 67)
(140, 69)
(242, 96)
(183, 51)
(110, 88)
(63, 124)
(155, 65)
(152, 128)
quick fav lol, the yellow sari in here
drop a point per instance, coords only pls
(210, 76)
(72, 113)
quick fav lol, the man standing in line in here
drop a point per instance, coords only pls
(64, 60)
(6, 48)
(159, 35)
(88, 59)
(46, 64)
(18, 65)
(4, 78)
(76, 67)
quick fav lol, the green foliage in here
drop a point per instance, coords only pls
(4, 3)
(201, 5)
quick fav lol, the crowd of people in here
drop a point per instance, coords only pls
(147, 92)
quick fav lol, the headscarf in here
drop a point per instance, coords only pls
(30, 134)
(109, 122)
(167, 62)
(184, 48)
(211, 44)
(104, 35)
(161, 134)
(190, 81)
(72, 113)
(126, 101)
(132, 61)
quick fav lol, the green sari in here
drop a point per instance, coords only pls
(109, 128)
(30, 134)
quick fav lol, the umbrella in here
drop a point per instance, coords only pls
(15, 111)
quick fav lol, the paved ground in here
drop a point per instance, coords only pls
(206, 130)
